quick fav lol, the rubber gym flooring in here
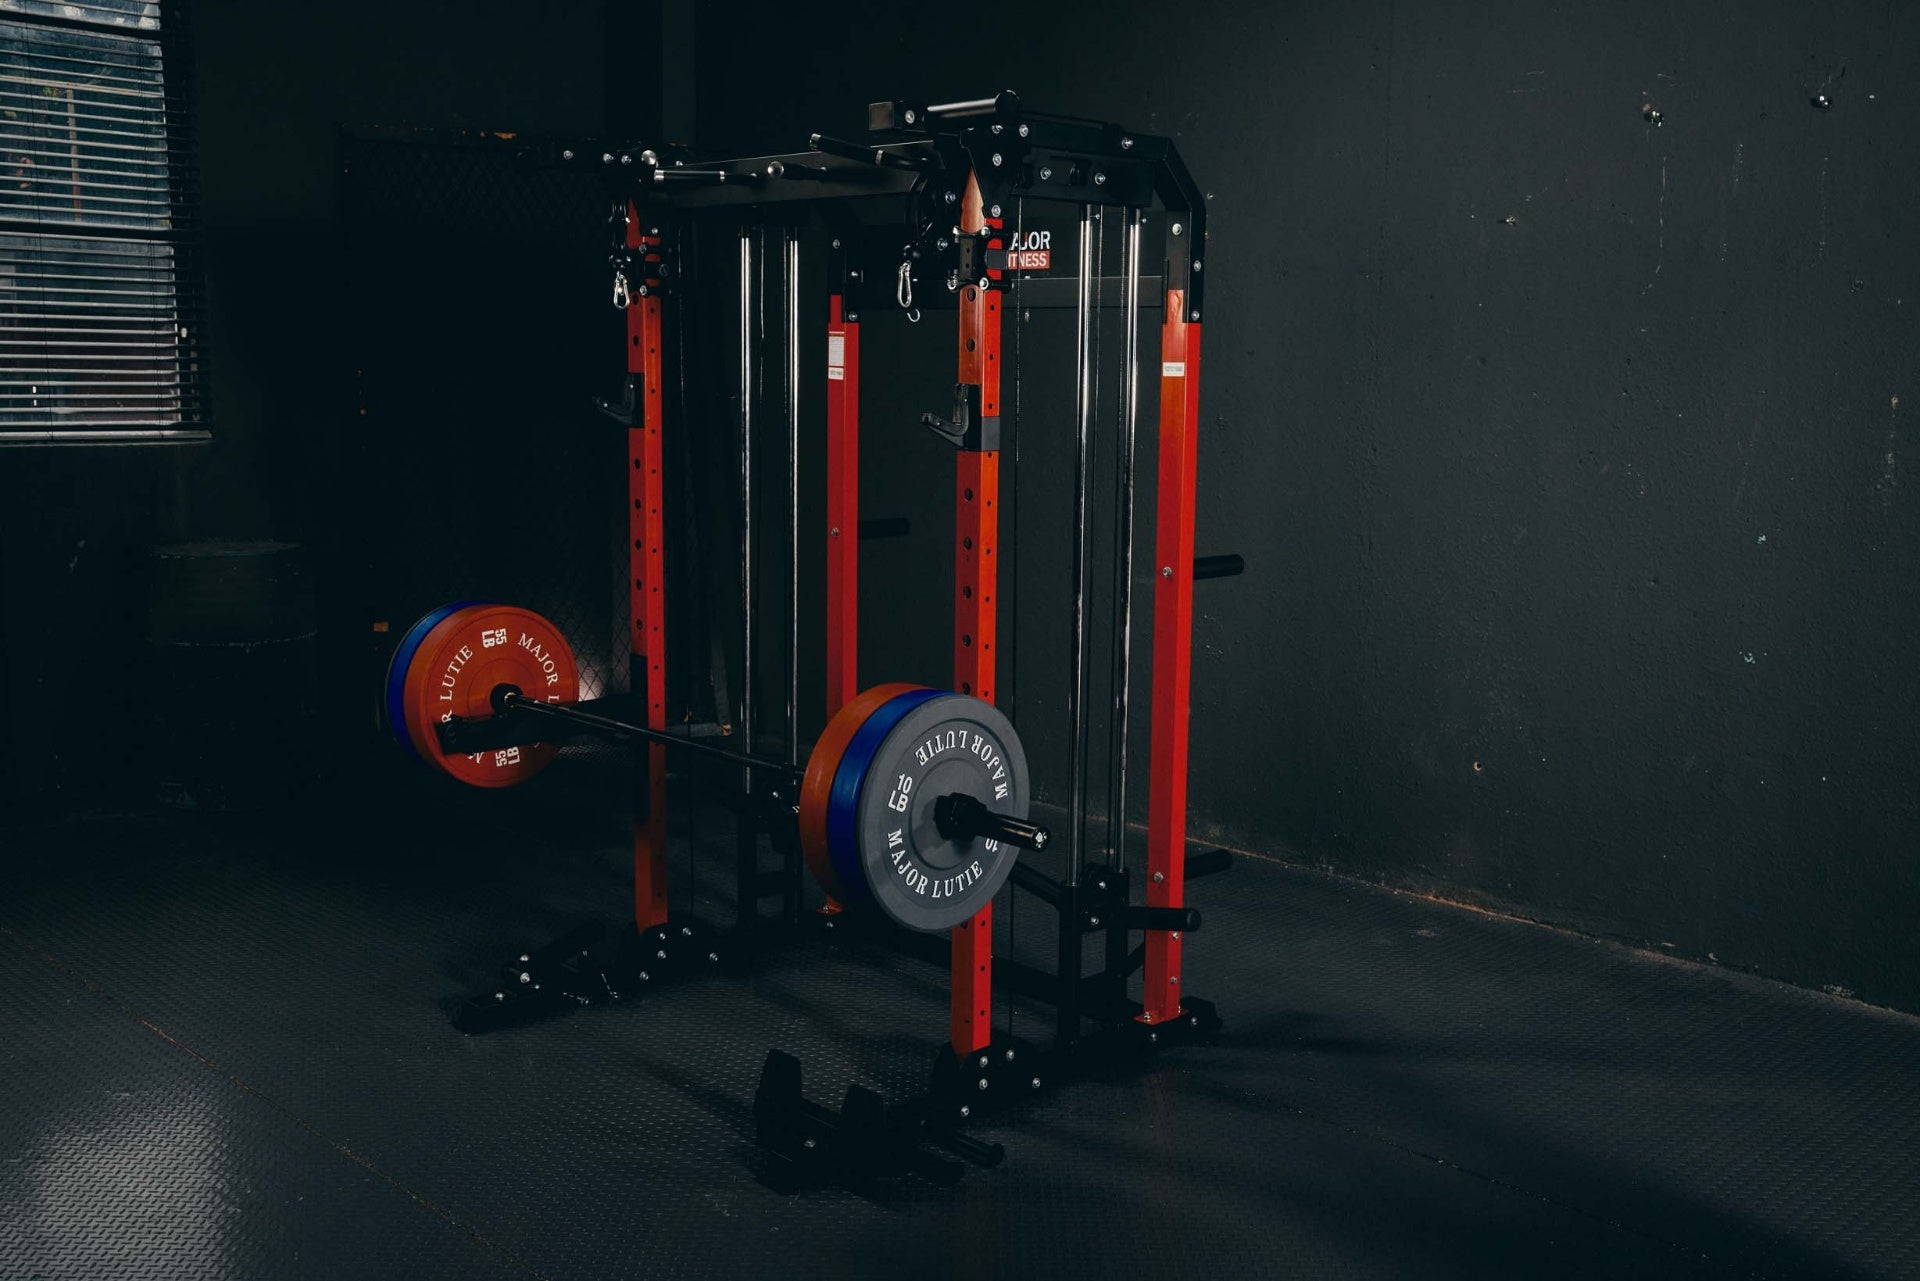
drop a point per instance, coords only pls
(224, 1052)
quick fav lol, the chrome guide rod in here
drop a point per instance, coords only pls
(746, 498)
(1117, 729)
(1084, 320)
(793, 496)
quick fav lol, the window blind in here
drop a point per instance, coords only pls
(100, 296)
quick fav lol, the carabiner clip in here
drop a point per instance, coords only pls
(903, 292)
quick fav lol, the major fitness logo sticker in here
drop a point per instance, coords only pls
(1030, 251)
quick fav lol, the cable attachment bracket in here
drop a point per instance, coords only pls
(968, 429)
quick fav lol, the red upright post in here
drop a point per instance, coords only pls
(647, 530)
(977, 533)
(1172, 648)
(843, 505)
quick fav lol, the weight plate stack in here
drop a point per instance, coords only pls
(816, 786)
(883, 843)
(396, 701)
(463, 653)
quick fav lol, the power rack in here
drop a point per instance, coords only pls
(944, 178)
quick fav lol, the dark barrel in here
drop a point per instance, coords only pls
(232, 676)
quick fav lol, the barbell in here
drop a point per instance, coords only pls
(913, 800)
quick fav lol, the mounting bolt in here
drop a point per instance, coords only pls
(1009, 1056)
(686, 931)
(1023, 131)
(567, 154)
(1173, 978)
(524, 958)
(625, 159)
(995, 211)
(1046, 173)
(1193, 315)
(1099, 179)
(983, 1082)
(1035, 1082)
(1176, 935)
(713, 956)
(644, 976)
(1166, 571)
(965, 1110)
(1193, 1021)
(1177, 229)
(911, 114)
(606, 157)
(1158, 877)
(983, 1060)
(836, 242)
(525, 977)
(1153, 1037)
(834, 532)
(806, 1143)
(951, 197)
(1126, 144)
(997, 159)
(1197, 264)
(1093, 922)
(996, 131)
(499, 996)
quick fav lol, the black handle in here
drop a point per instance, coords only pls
(1161, 918)
(1208, 864)
(697, 177)
(962, 817)
(1218, 566)
(866, 155)
(885, 527)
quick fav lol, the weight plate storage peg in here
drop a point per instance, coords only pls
(452, 668)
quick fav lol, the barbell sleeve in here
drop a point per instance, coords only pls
(960, 817)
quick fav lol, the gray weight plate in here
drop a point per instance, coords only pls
(919, 878)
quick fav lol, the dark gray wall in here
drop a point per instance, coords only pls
(1565, 447)
(277, 82)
